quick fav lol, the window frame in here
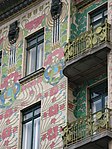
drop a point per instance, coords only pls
(94, 12)
(28, 39)
(96, 85)
(25, 111)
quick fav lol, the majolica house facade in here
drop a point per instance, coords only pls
(55, 74)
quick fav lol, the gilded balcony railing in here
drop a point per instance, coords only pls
(86, 41)
(87, 126)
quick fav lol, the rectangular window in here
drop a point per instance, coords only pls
(99, 96)
(31, 128)
(98, 16)
(35, 52)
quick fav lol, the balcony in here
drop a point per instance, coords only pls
(92, 131)
(86, 55)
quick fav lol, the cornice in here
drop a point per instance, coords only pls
(9, 7)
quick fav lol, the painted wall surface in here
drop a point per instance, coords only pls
(71, 106)
(79, 17)
(50, 87)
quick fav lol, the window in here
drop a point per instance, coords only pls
(31, 128)
(98, 16)
(0, 58)
(35, 52)
(98, 97)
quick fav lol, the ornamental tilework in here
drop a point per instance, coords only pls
(49, 88)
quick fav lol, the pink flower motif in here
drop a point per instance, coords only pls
(6, 133)
(59, 53)
(53, 110)
(6, 143)
(8, 113)
(52, 133)
(53, 99)
(45, 114)
(8, 122)
(34, 23)
(53, 90)
(62, 106)
(33, 83)
(23, 88)
(48, 61)
(31, 92)
(44, 137)
(1, 116)
(52, 145)
(61, 129)
(4, 84)
(53, 121)
(40, 80)
(14, 129)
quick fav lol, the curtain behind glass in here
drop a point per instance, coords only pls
(27, 132)
(36, 134)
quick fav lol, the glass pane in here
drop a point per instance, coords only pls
(27, 135)
(97, 106)
(27, 116)
(105, 13)
(97, 17)
(94, 94)
(97, 24)
(36, 134)
(40, 38)
(37, 111)
(106, 100)
(31, 42)
(31, 60)
(40, 54)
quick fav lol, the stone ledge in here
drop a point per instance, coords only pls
(32, 76)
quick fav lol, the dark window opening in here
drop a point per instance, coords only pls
(99, 97)
(98, 16)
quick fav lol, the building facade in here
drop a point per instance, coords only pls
(55, 74)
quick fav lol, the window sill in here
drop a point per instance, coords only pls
(32, 76)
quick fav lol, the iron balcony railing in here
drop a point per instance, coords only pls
(86, 41)
(87, 126)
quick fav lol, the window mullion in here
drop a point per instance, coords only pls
(36, 54)
(26, 72)
(32, 130)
